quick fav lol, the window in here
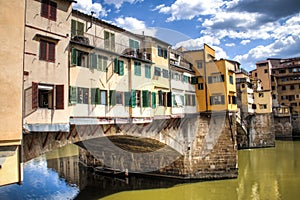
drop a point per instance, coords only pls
(119, 98)
(231, 79)
(199, 64)
(77, 28)
(98, 96)
(194, 80)
(217, 100)
(165, 73)
(229, 99)
(162, 52)
(161, 98)
(283, 87)
(290, 70)
(43, 96)
(190, 100)
(109, 41)
(281, 71)
(255, 74)
(137, 68)
(243, 85)
(102, 63)
(234, 100)
(138, 98)
(200, 86)
(216, 79)
(146, 95)
(48, 9)
(119, 67)
(175, 76)
(292, 87)
(47, 51)
(294, 69)
(261, 95)
(147, 71)
(157, 71)
(83, 95)
(185, 79)
(79, 58)
(134, 44)
(153, 98)
(273, 96)
(266, 71)
(273, 87)
(263, 106)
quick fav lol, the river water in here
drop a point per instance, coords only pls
(271, 173)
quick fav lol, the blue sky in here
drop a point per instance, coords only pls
(243, 30)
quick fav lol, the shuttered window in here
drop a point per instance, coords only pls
(94, 61)
(146, 98)
(127, 98)
(49, 9)
(72, 95)
(169, 99)
(59, 96)
(34, 95)
(137, 69)
(47, 51)
(194, 80)
(153, 99)
(119, 67)
(77, 28)
(147, 71)
(112, 97)
(95, 96)
(134, 44)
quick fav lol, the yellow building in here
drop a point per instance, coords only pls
(214, 80)
(160, 76)
(11, 79)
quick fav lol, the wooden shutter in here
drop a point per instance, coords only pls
(34, 95)
(44, 8)
(116, 66)
(53, 8)
(112, 97)
(43, 50)
(127, 96)
(222, 99)
(194, 80)
(153, 100)
(212, 100)
(165, 53)
(59, 96)
(51, 52)
(145, 96)
(93, 61)
(93, 95)
(72, 95)
(73, 27)
(133, 99)
(121, 67)
(74, 57)
(169, 99)
(80, 28)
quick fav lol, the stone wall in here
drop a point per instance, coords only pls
(283, 128)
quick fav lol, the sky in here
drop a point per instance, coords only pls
(246, 31)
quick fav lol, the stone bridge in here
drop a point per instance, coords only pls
(197, 146)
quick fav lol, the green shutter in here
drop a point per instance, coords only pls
(169, 99)
(94, 61)
(133, 99)
(194, 80)
(121, 67)
(116, 66)
(72, 95)
(182, 99)
(127, 98)
(93, 95)
(147, 71)
(98, 96)
(137, 68)
(165, 53)
(112, 97)
(145, 97)
(80, 28)
(74, 57)
(73, 27)
(131, 43)
(153, 100)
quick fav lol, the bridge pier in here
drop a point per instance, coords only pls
(203, 147)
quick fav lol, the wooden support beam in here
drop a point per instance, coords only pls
(46, 140)
(110, 126)
(71, 132)
(31, 143)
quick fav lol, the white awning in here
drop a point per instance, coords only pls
(45, 87)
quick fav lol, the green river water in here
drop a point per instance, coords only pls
(271, 173)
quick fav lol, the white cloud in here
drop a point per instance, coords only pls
(118, 3)
(130, 23)
(229, 44)
(186, 9)
(198, 42)
(86, 6)
(244, 42)
(158, 7)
